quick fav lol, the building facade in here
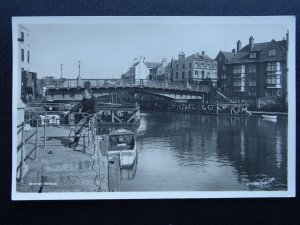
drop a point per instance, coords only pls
(140, 70)
(259, 70)
(222, 74)
(196, 68)
(160, 72)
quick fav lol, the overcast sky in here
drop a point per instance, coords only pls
(107, 50)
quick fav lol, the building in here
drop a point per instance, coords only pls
(259, 70)
(222, 74)
(28, 78)
(194, 68)
(140, 70)
(160, 72)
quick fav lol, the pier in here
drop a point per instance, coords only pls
(47, 164)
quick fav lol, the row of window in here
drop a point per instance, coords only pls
(273, 80)
(271, 66)
(23, 55)
(271, 52)
(202, 75)
(269, 92)
(197, 65)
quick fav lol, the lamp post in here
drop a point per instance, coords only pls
(79, 68)
(61, 69)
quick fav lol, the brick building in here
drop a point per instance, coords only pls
(197, 68)
(258, 70)
(223, 58)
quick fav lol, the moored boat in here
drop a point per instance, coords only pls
(270, 117)
(122, 142)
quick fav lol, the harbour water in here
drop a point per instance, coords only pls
(192, 152)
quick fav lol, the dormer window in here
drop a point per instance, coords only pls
(253, 55)
(272, 52)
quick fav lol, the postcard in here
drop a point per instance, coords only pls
(153, 107)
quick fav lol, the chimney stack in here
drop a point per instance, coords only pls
(287, 39)
(164, 61)
(251, 42)
(238, 46)
(181, 55)
(203, 53)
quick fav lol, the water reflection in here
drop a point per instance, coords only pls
(182, 152)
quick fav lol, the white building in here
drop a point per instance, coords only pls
(140, 69)
(23, 66)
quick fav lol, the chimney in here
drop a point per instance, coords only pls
(203, 53)
(164, 61)
(251, 42)
(238, 46)
(181, 55)
(287, 39)
(233, 51)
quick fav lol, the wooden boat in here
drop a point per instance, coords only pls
(269, 117)
(122, 142)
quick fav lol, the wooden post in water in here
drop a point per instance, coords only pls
(114, 174)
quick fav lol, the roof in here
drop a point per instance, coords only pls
(260, 48)
(120, 132)
(228, 55)
(199, 56)
(152, 64)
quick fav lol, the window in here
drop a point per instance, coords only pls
(239, 82)
(253, 55)
(176, 66)
(273, 79)
(273, 66)
(22, 36)
(22, 55)
(272, 52)
(176, 75)
(190, 65)
(237, 69)
(273, 93)
(183, 75)
(183, 66)
(252, 82)
(252, 68)
(190, 74)
(28, 57)
(252, 92)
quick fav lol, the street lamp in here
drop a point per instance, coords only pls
(79, 68)
(61, 69)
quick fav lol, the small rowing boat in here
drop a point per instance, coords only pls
(269, 117)
(122, 142)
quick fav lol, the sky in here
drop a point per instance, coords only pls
(107, 49)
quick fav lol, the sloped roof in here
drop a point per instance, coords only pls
(152, 64)
(135, 64)
(243, 54)
(228, 55)
(199, 56)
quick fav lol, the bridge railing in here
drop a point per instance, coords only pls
(142, 83)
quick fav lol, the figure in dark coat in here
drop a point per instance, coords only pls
(87, 105)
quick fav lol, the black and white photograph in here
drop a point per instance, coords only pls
(137, 107)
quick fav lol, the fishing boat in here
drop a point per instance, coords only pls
(269, 117)
(122, 142)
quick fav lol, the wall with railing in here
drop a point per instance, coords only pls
(141, 83)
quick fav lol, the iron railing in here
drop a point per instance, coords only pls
(116, 83)
(21, 147)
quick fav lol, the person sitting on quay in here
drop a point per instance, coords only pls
(87, 105)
